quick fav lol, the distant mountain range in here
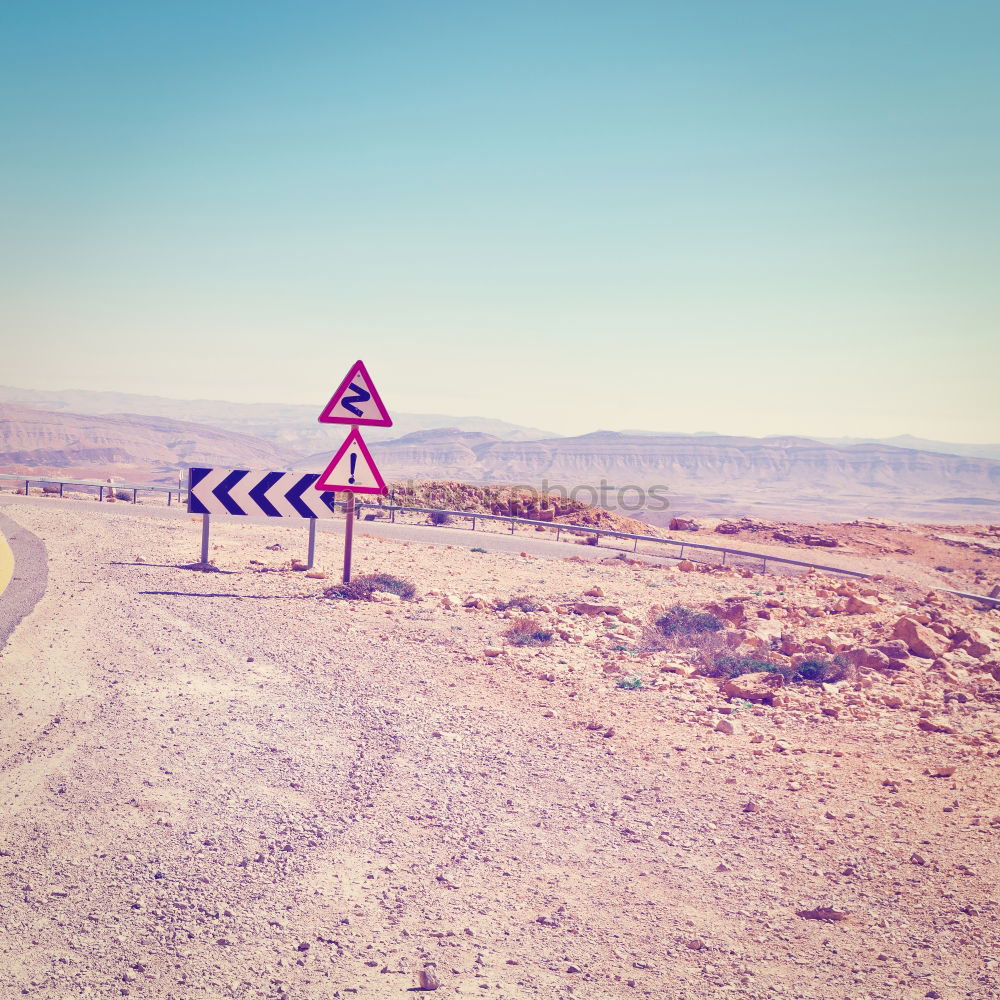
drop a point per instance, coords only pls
(701, 473)
(289, 425)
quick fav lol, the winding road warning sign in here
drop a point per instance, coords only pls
(356, 401)
(353, 470)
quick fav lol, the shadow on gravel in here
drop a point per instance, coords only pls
(242, 597)
(193, 567)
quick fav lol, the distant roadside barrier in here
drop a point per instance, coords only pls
(173, 493)
(669, 548)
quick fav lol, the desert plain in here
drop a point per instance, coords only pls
(224, 784)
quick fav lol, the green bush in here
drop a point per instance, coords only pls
(477, 549)
(629, 683)
(362, 587)
(681, 621)
(440, 517)
(816, 671)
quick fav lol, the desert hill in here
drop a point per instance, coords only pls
(72, 443)
(288, 425)
(699, 474)
(706, 474)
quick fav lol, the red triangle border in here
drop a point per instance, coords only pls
(356, 368)
(358, 441)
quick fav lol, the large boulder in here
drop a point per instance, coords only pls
(919, 639)
(825, 541)
(867, 657)
(583, 608)
(759, 688)
(856, 606)
(683, 524)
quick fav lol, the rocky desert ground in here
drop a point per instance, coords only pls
(513, 785)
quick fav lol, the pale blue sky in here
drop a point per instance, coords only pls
(750, 217)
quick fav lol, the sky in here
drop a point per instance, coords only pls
(750, 218)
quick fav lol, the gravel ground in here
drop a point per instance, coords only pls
(220, 785)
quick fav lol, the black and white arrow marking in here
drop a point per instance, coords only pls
(243, 492)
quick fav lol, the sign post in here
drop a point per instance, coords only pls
(352, 469)
(248, 493)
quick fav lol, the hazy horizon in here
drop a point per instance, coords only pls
(491, 417)
(764, 219)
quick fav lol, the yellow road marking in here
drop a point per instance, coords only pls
(6, 563)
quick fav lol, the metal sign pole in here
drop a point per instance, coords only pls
(348, 537)
(205, 522)
(311, 558)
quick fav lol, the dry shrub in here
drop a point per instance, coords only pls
(527, 632)
(681, 621)
(363, 587)
(520, 603)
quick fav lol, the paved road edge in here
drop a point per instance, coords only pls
(31, 572)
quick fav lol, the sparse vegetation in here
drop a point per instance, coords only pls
(440, 517)
(527, 632)
(681, 621)
(477, 549)
(363, 588)
(816, 671)
(629, 683)
(520, 603)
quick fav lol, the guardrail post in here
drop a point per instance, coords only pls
(61, 489)
(100, 494)
(681, 556)
(763, 568)
(26, 487)
(512, 526)
(473, 522)
(134, 495)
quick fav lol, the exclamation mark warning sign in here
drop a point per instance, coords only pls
(352, 470)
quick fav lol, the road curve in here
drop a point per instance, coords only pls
(30, 576)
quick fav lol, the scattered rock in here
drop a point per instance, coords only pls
(427, 979)
(758, 687)
(936, 726)
(823, 913)
(920, 641)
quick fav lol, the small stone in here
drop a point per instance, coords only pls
(696, 945)
(428, 979)
(725, 726)
(303, 946)
(751, 807)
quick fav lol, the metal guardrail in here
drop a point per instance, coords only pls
(133, 488)
(557, 526)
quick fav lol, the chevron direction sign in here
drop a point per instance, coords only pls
(244, 492)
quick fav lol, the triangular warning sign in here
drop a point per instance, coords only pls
(356, 401)
(352, 470)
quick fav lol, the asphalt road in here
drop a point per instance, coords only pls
(29, 580)
(524, 540)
